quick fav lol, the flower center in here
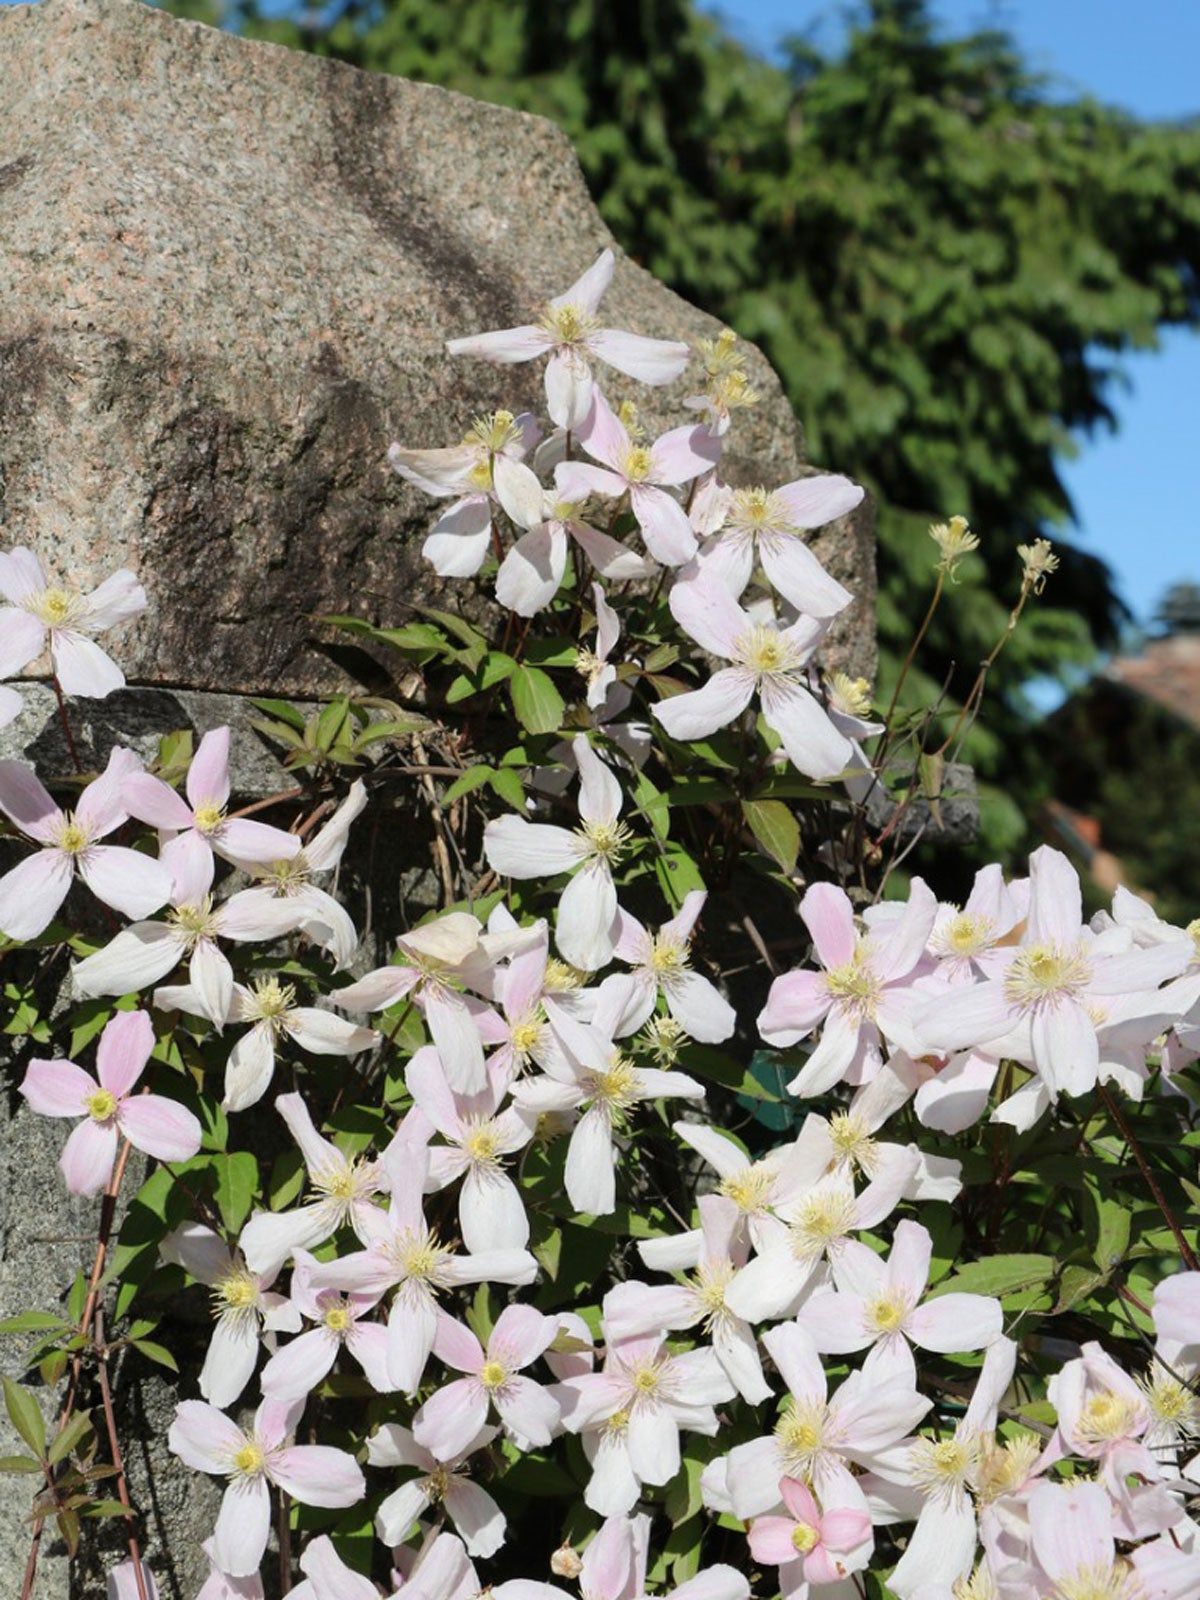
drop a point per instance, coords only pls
(805, 1537)
(493, 432)
(1106, 1417)
(286, 876)
(72, 837)
(749, 1189)
(856, 983)
(420, 1257)
(711, 1284)
(646, 1380)
(851, 696)
(493, 1375)
(1046, 972)
(758, 511)
(236, 1290)
(526, 1033)
(208, 818)
(55, 606)
(249, 1460)
(1113, 1582)
(662, 1039)
(346, 1181)
(965, 934)
(588, 665)
(851, 1139)
(569, 324)
(606, 841)
(437, 1483)
(638, 463)
(196, 921)
(615, 1088)
(887, 1313)
(668, 956)
(765, 650)
(943, 1467)
(337, 1318)
(1172, 1402)
(482, 1142)
(560, 978)
(800, 1434)
(822, 1218)
(272, 998)
(1003, 1469)
(102, 1105)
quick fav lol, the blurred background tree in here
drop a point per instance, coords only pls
(941, 260)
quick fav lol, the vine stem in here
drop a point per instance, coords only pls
(114, 1446)
(1186, 1254)
(65, 724)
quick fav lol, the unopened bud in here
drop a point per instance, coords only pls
(565, 1563)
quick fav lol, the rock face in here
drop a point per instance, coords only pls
(227, 272)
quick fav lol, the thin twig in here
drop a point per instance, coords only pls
(1186, 1254)
(114, 1446)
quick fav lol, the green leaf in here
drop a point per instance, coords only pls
(653, 805)
(156, 1352)
(32, 1322)
(1109, 1224)
(776, 829)
(26, 1416)
(536, 703)
(330, 723)
(237, 1181)
(999, 1275)
(677, 874)
(506, 783)
(19, 1464)
(76, 1428)
(473, 778)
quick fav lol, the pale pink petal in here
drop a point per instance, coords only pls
(697, 1006)
(1055, 898)
(519, 849)
(11, 705)
(188, 858)
(243, 1526)
(796, 1002)
(231, 1359)
(528, 1411)
(135, 959)
(969, 1015)
(586, 918)
(88, 1156)
(241, 839)
(794, 1353)
(211, 976)
(491, 1212)
(451, 1418)
(955, 1322)
(576, 480)
(57, 1088)
(81, 666)
(208, 776)
(160, 1127)
(798, 1499)
(652, 361)
(22, 637)
(204, 1438)
(611, 559)
(318, 1475)
(797, 574)
(412, 1324)
(599, 791)
(956, 1097)
(25, 802)
(531, 572)
(683, 454)
(298, 1366)
(707, 612)
(32, 892)
(377, 990)
(458, 541)
(812, 502)
(331, 1578)
(478, 1518)
(505, 346)
(21, 575)
(123, 1051)
(155, 802)
(702, 711)
(569, 389)
(439, 472)
(908, 1263)
(130, 882)
(813, 745)
(604, 437)
(1065, 1049)
(1071, 1527)
(665, 528)
(118, 599)
(591, 1165)
(652, 1439)
(588, 289)
(770, 1540)
(198, 1250)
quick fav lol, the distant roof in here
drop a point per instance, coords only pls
(1167, 671)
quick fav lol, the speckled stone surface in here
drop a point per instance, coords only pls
(227, 271)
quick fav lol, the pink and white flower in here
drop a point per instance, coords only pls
(31, 893)
(862, 995)
(341, 1321)
(346, 1186)
(586, 929)
(808, 1545)
(327, 1577)
(440, 1481)
(595, 1078)
(594, 665)
(493, 1380)
(882, 1306)
(196, 827)
(570, 332)
(40, 612)
(206, 1440)
(435, 960)
(644, 472)
(661, 966)
(473, 470)
(478, 1135)
(532, 570)
(403, 1252)
(111, 1110)
(766, 660)
(243, 1303)
(768, 527)
(1049, 984)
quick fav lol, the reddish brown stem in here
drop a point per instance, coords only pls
(65, 724)
(114, 1446)
(1186, 1254)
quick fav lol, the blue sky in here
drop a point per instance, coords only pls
(1136, 492)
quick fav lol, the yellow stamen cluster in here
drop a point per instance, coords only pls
(668, 956)
(55, 607)
(728, 386)
(493, 1375)
(526, 1033)
(493, 432)
(638, 463)
(285, 877)
(944, 1467)
(606, 841)
(749, 1189)
(588, 665)
(979, 1586)
(855, 983)
(345, 1181)
(712, 1280)
(822, 1218)
(887, 1312)
(627, 416)
(1046, 972)
(646, 1379)
(102, 1105)
(235, 1292)
(1037, 563)
(1004, 1468)
(482, 1142)
(420, 1256)
(616, 1088)
(72, 837)
(966, 934)
(1106, 1417)
(208, 818)
(852, 1140)
(805, 1537)
(569, 324)
(765, 651)
(1172, 1404)
(800, 1435)
(758, 511)
(1117, 1581)
(662, 1039)
(250, 1460)
(560, 978)
(850, 696)
(337, 1318)
(955, 540)
(272, 999)
(195, 922)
